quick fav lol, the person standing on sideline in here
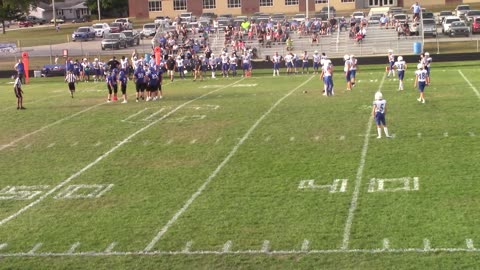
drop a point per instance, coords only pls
(421, 76)
(378, 112)
(171, 65)
(316, 62)
(426, 61)
(391, 63)
(401, 66)
(276, 64)
(305, 62)
(346, 69)
(20, 68)
(123, 79)
(353, 69)
(71, 79)
(17, 88)
(140, 82)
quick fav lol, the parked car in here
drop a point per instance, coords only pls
(374, 19)
(470, 15)
(6, 23)
(429, 28)
(127, 24)
(133, 37)
(459, 28)
(25, 24)
(84, 33)
(476, 25)
(57, 20)
(209, 15)
(358, 15)
(116, 27)
(186, 16)
(299, 17)
(162, 20)
(447, 22)
(36, 20)
(149, 30)
(333, 11)
(443, 14)
(84, 18)
(114, 41)
(401, 18)
(101, 29)
(428, 15)
(461, 10)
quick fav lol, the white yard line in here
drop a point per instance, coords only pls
(106, 154)
(358, 181)
(73, 247)
(187, 204)
(111, 247)
(133, 115)
(2, 147)
(469, 83)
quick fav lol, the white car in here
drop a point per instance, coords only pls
(101, 29)
(358, 15)
(461, 10)
(299, 17)
(447, 22)
(162, 20)
(149, 30)
(186, 16)
(127, 24)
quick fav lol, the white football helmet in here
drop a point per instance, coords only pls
(420, 66)
(346, 57)
(378, 95)
(400, 58)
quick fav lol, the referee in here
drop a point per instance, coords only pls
(71, 79)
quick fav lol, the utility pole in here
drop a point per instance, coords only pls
(54, 14)
(98, 6)
(306, 4)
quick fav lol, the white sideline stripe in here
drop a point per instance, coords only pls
(238, 252)
(188, 246)
(265, 246)
(73, 247)
(469, 243)
(218, 140)
(133, 115)
(106, 154)
(305, 245)
(217, 170)
(35, 248)
(426, 245)
(110, 247)
(469, 83)
(386, 244)
(48, 126)
(227, 246)
(416, 184)
(358, 180)
(3, 245)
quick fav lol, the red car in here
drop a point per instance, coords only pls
(25, 24)
(476, 25)
(116, 27)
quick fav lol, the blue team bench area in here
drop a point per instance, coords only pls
(53, 70)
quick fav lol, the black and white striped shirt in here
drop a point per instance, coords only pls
(18, 83)
(70, 78)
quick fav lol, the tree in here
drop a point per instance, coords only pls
(109, 8)
(14, 10)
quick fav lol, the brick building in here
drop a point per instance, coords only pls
(153, 8)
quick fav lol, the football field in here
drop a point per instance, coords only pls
(243, 173)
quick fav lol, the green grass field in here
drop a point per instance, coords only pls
(243, 173)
